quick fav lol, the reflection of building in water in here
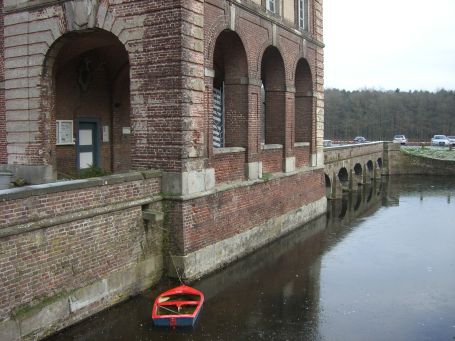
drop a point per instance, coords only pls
(278, 283)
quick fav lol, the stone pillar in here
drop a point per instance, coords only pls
(193, 176)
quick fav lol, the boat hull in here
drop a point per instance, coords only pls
(175, 321)
(178, 307)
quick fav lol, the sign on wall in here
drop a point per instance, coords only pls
(218, 138)
(64, 129)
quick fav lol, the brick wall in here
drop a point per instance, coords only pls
(302, 155)
(220, 216)
(229, 166)
(272, 160)
(59, 239)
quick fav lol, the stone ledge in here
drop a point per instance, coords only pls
(301, 144)
(227, 150)
(71, 185)
(271, 146)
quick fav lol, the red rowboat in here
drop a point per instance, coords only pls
(177, 307)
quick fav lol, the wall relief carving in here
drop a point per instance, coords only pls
(81, 14)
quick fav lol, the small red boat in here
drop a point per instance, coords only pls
(177, 307)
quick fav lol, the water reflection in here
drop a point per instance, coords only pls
(321, 282)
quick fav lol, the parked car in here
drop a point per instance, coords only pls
(440, 140)
(327, 143)
(359, 139)
(401, 139)
(451, 140)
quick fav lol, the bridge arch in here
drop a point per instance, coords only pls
(328, 186)
(343, 177)
(358, 169)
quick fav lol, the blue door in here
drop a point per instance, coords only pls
(87, 145)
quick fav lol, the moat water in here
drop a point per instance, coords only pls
(379, 266)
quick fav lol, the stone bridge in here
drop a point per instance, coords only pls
(348, 167)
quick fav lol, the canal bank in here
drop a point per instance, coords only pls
(378, 265)
(73, 248)
(406, 161)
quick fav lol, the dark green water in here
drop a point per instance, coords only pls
(379, 266)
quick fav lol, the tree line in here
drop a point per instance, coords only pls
(379, 115)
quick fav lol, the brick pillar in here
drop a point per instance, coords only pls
(253, 163)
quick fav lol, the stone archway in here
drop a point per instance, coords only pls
(274, 87)
(90, 110)
(303, 103)
(230, 92)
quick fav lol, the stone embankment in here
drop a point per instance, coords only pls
(404, 163)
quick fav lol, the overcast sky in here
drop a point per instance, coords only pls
(389, 44)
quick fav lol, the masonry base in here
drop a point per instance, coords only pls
(215, 256)
(64, 309)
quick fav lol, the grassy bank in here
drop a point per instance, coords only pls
(439, 153)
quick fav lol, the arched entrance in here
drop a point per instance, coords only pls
(91, 103)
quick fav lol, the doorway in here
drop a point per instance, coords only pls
(87, 144)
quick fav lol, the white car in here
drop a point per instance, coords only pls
(440, 140)
(451, 140)
(401, 139)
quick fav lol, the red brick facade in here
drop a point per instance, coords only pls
(144, 72)
(150, 78)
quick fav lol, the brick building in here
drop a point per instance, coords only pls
(223, 98)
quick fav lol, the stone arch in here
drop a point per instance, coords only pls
(273, 77)
(85, 80)
(304, 103)
(343, 177)
(220, 24)
(358, 169)
(370, 169)
(328, 186)
(379, 163)
(230, 66)
(370, 165)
